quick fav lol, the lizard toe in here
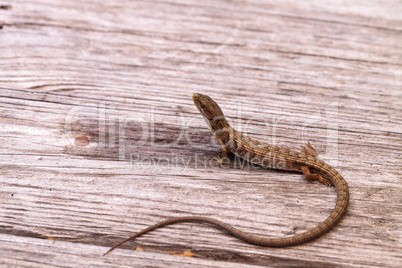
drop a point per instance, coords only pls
(325, 181)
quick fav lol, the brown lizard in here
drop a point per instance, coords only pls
(270, 156)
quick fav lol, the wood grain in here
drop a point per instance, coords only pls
(82, 82)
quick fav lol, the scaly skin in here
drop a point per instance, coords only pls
(267, 156)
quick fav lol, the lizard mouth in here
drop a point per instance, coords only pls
(200, 103)
(197, 101)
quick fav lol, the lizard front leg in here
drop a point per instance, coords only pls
(219, 159)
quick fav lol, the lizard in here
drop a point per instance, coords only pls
(268, 156)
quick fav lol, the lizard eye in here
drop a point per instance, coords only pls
(206, 111)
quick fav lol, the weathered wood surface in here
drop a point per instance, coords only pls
(291, 72)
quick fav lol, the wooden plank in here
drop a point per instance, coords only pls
(113, 73)
(42, 252)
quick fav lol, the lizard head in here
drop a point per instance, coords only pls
(207, 107)
(210, 110)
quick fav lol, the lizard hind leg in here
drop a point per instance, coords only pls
(310, 177)
(308, 149)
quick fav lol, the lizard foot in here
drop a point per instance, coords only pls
(218, 160)
(221, 160)
(308, 149)
(323, 180)
(312, 177)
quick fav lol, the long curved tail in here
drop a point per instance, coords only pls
(340, 208)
